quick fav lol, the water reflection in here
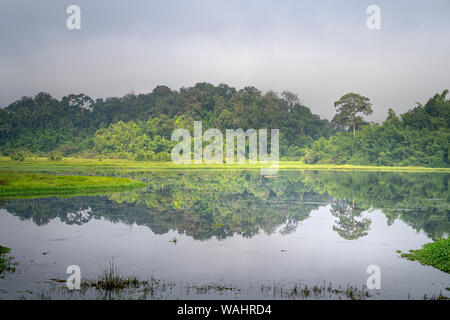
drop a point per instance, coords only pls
(349, 225)
(206, 204)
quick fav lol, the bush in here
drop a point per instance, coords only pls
(55, 156)
(144, 155)
(68, 149)
(162, 156)
(19, 156)
(123, 155)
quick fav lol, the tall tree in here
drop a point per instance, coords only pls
(291, 99)
(348, 108)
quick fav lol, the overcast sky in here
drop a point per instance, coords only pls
(317, 49)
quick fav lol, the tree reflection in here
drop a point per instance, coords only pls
(220, 204)
(351, 225)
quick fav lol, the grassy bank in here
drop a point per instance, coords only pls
(20, 183)
(38, 164)
(436, 254)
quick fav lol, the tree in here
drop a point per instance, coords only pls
(291, 99)
(81, 101)
(349, 106)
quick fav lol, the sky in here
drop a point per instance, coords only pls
(319, 50)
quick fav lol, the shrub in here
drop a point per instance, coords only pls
(55, 156)
(19, 156)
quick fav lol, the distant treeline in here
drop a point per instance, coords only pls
(419, 137)
(139, 127)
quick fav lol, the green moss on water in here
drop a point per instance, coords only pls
(21, 183)
(436, 254)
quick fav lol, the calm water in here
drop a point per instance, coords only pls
(234, 229)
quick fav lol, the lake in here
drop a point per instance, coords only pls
(211, 234)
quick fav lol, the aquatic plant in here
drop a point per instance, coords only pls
(436, 254)
(111, 280)
(6, 261)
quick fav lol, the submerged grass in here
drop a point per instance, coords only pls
(111, 280)
(20, 183)
(111, 285)
(324, 290)
(436, 254)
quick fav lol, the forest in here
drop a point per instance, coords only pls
(139, 126)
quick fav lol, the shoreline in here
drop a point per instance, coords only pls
(81, 163)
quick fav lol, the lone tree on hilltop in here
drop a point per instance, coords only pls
(348, 107)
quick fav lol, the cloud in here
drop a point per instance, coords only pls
(318, 50)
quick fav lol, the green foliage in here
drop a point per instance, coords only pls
(19, 156)
(348, 107)
(420, 137)
(138, 127)
(55, 156)
(44, 124)
(436, 254)
(136, 141)
(6, 264)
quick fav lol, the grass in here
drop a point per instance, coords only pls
(6, 264)
(111, 280)
(21, 183)
(111, 285)
(213, 288)
(324, 290)
(110, 164)
(436, 254)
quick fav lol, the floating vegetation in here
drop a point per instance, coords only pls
(440, 296)
(436, 254)
(6, 261)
